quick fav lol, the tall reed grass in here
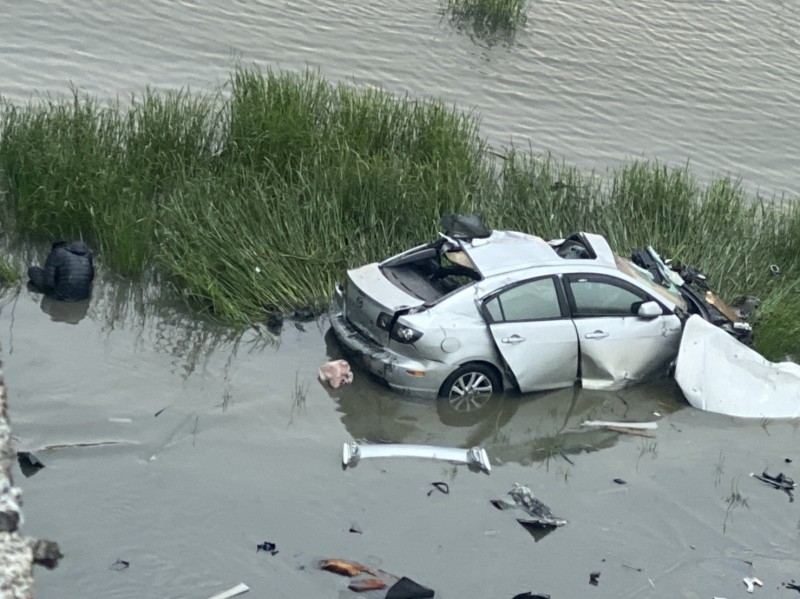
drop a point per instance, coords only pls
(257, 198)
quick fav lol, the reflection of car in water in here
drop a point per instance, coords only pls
(475, 313)
(523, 429)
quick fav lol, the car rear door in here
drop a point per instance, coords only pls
(617, 347)
(533, 332)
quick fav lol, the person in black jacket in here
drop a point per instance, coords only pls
(67, 274)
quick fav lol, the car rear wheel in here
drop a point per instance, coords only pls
(469, 394)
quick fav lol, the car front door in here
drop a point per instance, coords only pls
(618, 347)
(531, 327)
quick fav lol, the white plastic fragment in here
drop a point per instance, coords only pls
(750, 581)
(336, 373)
(476, 456)
(233, 592)
(719, 374)
(634, 425)
(120, 420)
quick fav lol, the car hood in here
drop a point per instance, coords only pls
(369, 293)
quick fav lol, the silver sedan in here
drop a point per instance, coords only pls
(463, 318)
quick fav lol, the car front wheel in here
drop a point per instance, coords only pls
(469, 393)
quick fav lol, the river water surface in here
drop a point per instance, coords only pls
(177, 447)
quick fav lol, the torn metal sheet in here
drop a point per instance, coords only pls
(719, 374)
(353, 452)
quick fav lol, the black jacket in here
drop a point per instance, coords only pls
(69, 271)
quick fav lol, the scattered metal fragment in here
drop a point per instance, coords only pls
(750, 581)
(267, 547)
(475, 457)
(232, 592)
(594, 578)
(441, 486)
(779, 481)
(119, 565)
(540, 516)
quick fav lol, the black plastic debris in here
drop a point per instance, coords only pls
(267, 547)
(119, 565)
(788, 460)
(303, 313)
(356, 529)
(29, 464)
(274, 322)
(779, 481)
(619, 481)
(792, 586)
(440, 486)
(530, 595)
(405, 588)
(594, 578)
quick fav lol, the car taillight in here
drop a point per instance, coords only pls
(405, 334)
(384, 321)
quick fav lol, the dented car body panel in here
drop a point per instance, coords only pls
(460, 317)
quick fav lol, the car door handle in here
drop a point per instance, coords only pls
(513, 339)
(596, 335)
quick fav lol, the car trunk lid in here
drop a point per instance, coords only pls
(368, 294)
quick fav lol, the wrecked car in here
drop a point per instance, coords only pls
(478, 311)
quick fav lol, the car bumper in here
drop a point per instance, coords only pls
(391, 367)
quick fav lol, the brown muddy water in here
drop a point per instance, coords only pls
(178, 448)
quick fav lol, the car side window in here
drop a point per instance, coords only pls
(602, 297)
(533, 300)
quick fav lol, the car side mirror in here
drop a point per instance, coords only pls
(649, 309)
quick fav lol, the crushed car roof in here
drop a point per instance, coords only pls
(507, 251)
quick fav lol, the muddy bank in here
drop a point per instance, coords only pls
(177, 449)
(17, 554)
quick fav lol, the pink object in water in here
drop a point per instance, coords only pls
(336, 373)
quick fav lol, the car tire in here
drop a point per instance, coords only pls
(469, 394)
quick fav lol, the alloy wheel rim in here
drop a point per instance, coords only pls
(471, 391)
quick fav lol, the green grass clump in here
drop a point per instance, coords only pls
(9, 273)
(488, 16)
(258, 197)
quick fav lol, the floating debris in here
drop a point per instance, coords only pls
(619, 481)
(345, 567)
(367, 584)
(540, 516)
(780, 481)
(594, 578)
(267, 547)
(750, 581)
(336, 373)
(405, 588)
(475, 458)
(29, 464)
(232, 592)
(440, 486)
(119, 565)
